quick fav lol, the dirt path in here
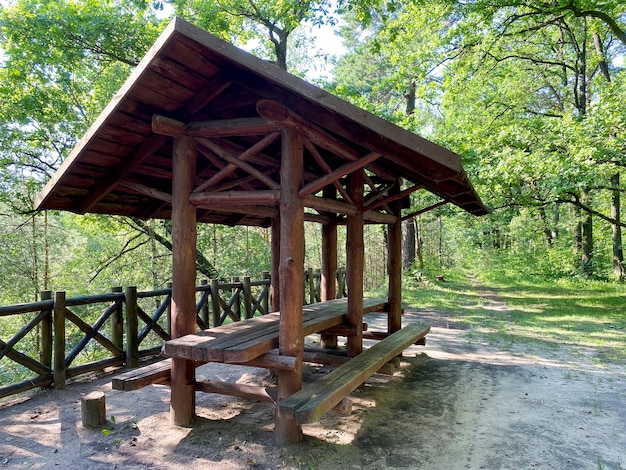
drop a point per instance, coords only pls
(455, 404)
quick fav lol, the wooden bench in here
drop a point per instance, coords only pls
(134, 379)
(313, 401)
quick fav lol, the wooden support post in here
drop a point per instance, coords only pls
(310, 285)
(394, 263)
(291, 273)
(117, 322)
(355, 253)
(45, 354)
(275, 284)
(132, 327)
(184, 236)
(59, 340)
(328, 282)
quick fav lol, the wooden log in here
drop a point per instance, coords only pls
(326, 167)
(93, 409)
(260, 197)
(355, 252)
(394, 267)
(426, 209)
(393, 197)
(147, 190)
(184, 235)
(230, 127)
(167, 126)
(343, 170)
(291, 273)
(345, 330)
(274, 275)
(60, 369)
(329, 205)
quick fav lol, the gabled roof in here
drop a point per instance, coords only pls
(121, 166)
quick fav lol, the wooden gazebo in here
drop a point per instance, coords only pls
(204, 132)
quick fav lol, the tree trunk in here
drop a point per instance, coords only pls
(587, 237)
(616, 236)
(408, 243)
(547, 233)
(419, 246)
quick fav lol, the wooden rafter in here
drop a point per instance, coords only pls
(322, 163)
(233, 160)
(426, 209)
(340, 172)
(394, 197)
(147, 190)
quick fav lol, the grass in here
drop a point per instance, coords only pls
(589, 316)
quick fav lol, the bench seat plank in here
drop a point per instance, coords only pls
(313, 401)
(135, 379)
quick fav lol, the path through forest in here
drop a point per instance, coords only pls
(456, 403)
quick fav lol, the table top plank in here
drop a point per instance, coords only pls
(245, 340)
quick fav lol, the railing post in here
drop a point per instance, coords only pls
(117, 322)
(247, 297)
(169, 311)
(266, 298)
(311, 286)
(204, 308)
(132, 340)
(59, 340)
(215, 302)
(45, 352)
(237, 304)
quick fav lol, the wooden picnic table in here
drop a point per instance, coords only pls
(242, 341)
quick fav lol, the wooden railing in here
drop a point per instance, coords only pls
(61, 337)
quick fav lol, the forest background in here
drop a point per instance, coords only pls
(531, 94)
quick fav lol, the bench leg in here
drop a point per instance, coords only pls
(286, 430)
(183, 392)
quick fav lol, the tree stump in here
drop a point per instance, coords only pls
(93, 409)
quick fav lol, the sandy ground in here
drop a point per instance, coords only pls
(454, 404)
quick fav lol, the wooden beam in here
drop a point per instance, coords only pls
(254, 211)
(426, 209)
(340, 172)
(379, 217)
(230, 127)
(291, 273)
(355, 253)
(233, 160)
(261, 198)
(329, 205)
(184, 236)
(324, 166)
(230, 168)
(147, 190)
(167, 126)
(394, 197)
